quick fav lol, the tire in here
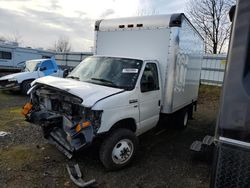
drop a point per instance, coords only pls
(182, 118)
(25, 86)
(117, 144)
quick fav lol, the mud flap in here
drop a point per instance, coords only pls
(202, 146)
(76, 176)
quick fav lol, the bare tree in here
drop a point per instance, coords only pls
(62, 45)
(147, 12)
(14, 38)
(2, 39)
(210, 17)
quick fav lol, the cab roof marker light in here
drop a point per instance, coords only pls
(121, 26)
(130, 25)
(139, 25)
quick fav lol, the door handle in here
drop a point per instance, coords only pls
(159, 103)
(133, 101)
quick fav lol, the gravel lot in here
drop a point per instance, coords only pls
(164, 159)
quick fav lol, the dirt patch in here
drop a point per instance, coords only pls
(17, 156)
(164, 158)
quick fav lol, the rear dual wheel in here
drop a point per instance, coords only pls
(182, 118)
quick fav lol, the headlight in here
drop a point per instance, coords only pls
(93, 116)
(89, 118)
(96, 119)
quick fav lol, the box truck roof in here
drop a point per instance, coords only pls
(159, 21)
(143, 22)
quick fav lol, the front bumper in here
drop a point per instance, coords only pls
(66, 139)
(9, 85)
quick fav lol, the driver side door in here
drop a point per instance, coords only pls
(149, 97)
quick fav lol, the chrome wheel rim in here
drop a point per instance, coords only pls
(122, 151)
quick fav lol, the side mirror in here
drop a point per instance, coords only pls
(43, 68)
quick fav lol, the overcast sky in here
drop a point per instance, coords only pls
(41, 22)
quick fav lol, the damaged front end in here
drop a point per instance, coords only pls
(64, 121)
(9, 84)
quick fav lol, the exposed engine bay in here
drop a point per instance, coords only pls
(64, 121)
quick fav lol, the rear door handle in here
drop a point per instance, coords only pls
(159, 103)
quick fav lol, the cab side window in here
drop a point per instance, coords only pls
(150, 79)
(48, 65)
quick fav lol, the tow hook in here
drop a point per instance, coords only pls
(76, 176)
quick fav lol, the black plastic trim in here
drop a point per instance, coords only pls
(97, 25)
(176, 20)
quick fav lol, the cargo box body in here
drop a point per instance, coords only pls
(169, 39)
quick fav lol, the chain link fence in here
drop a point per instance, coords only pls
(213, 68)
(70, 59)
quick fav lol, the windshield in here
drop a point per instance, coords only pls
(108, 71)
(31, 66)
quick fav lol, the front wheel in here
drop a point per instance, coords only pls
(119, 148)
(25, 86)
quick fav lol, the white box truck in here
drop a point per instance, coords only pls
(142, 67)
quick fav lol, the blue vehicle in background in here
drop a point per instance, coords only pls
(33, 69)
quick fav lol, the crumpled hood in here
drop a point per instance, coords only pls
(90, 93)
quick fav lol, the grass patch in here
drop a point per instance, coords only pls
(17, 156)
(4, 96)
(11, 116)
(16, 111)
(209, 92)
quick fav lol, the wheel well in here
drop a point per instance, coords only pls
(191, 108)
(128, 123)
(31, 80)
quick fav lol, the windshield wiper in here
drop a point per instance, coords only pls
(103, 80)
(73, 77)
